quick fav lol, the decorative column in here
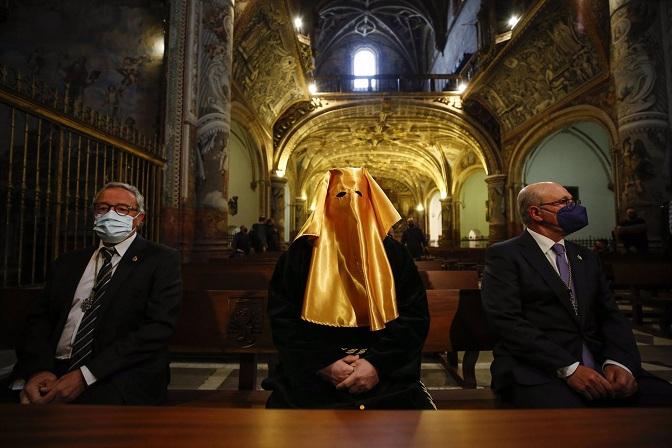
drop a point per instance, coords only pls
(278, 203)
(496, 207)
(214, 119)
(639, 48)
(299, 215)
(178, 199)
(447, 237)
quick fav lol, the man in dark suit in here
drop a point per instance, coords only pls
(99, 332)
(562, 341)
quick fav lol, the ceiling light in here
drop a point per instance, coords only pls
(298, 23)
(513, 20)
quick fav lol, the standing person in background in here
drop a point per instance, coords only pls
(272, 235)
(414, 240)
(259, 236)
(632, 232)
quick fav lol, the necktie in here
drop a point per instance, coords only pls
(566, 276)
(82, 347)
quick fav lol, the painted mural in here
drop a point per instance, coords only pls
(111, 53)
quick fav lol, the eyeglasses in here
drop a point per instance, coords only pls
(100, 208)
(562, 202)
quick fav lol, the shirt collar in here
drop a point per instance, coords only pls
(544, 242)
(122, 247)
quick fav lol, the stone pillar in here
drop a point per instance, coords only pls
(496, 207)
(300, 215)
(214, 119)
(278, 204)
(178, 199)
(447, 238)
(642, 105)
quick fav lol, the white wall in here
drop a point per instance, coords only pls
(473, 194)
(241, 175)
(579, 156)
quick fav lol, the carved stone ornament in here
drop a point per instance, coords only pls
(530, 79)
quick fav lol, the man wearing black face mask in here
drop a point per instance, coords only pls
(562, 341)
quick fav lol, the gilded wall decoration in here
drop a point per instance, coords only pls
(269, 75)
(530, 79)
(293, 115)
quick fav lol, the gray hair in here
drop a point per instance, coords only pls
(526, 198)
(139, 198)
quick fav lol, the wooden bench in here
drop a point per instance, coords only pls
(214, 323)
(645, 283)
(219, 278)
(226, 322)
(15, 304)
(449, 279)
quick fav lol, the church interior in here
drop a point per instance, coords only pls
(228, 113)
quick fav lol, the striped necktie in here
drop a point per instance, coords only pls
(82, 347)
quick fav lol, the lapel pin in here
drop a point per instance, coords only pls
(579, 257)
(135, 258)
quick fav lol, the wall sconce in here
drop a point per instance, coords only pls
(312, 88)
(513, 21)
(419, 208)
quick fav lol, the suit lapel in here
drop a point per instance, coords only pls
(577, 267)
(126, 265)
(537, 259)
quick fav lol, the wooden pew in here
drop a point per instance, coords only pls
(429, 265)
(222, 323)
(645, 283)
(458, 323)
(206, 276)
(449, 279)
(15, 304)
(225, 322)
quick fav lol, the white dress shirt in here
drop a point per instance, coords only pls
(546, 244)
(84, 289)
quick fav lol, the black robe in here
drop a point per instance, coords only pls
(305, 347)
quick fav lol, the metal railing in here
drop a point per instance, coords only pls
(388, 83)
(55, 154)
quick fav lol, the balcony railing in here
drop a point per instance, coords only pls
(389, 83)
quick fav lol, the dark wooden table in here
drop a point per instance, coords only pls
(114, 426)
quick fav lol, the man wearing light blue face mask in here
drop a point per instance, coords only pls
(99, 332)
(562, 340)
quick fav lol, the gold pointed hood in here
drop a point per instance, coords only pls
(350, 282)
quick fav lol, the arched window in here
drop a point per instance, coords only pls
(364, 64)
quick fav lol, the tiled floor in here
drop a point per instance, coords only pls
(656, 355)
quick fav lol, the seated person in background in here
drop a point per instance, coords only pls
(347, 306)
(632, 233)
(562, 340)
(241, 242)
(414, 240)
(258, 236)
(600, 246)
(99, 334)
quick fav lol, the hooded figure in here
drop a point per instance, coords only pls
(348, 309)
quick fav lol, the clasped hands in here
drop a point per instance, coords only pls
(351, 373)
(45, 387)
(616, 382)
